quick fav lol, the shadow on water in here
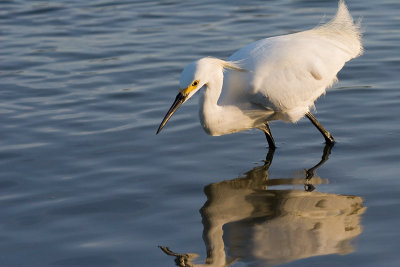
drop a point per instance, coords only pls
(244, 219)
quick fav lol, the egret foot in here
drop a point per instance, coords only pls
(268, 135)
(328, 137)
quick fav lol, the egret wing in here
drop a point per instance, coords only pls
(288, 73)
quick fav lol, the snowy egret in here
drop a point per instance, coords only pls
(276, 78)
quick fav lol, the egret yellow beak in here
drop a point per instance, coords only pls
(180, 98)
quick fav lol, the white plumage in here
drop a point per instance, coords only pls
(274, 78)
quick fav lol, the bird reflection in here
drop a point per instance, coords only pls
(244, 219)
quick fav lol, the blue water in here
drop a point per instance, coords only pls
(84, 180)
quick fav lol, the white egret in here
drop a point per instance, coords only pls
(276, 78)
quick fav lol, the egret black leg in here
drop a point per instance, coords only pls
(328, 137)
(311, 172)
(327, 151)
(269, 157)
(268, 135)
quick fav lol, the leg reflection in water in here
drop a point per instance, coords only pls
(245, 219)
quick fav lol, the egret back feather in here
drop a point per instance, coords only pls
(288, 73)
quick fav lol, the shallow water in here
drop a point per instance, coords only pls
(85, 181)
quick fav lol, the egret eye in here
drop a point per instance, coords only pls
(195, 83)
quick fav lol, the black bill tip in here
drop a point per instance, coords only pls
(180, 98)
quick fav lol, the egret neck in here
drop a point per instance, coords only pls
(219, 119)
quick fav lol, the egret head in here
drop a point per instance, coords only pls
(193, 78)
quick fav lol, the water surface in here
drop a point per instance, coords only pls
(84, 181)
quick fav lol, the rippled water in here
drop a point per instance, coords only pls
(84, 181)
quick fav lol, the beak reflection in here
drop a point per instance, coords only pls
(179, 100)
